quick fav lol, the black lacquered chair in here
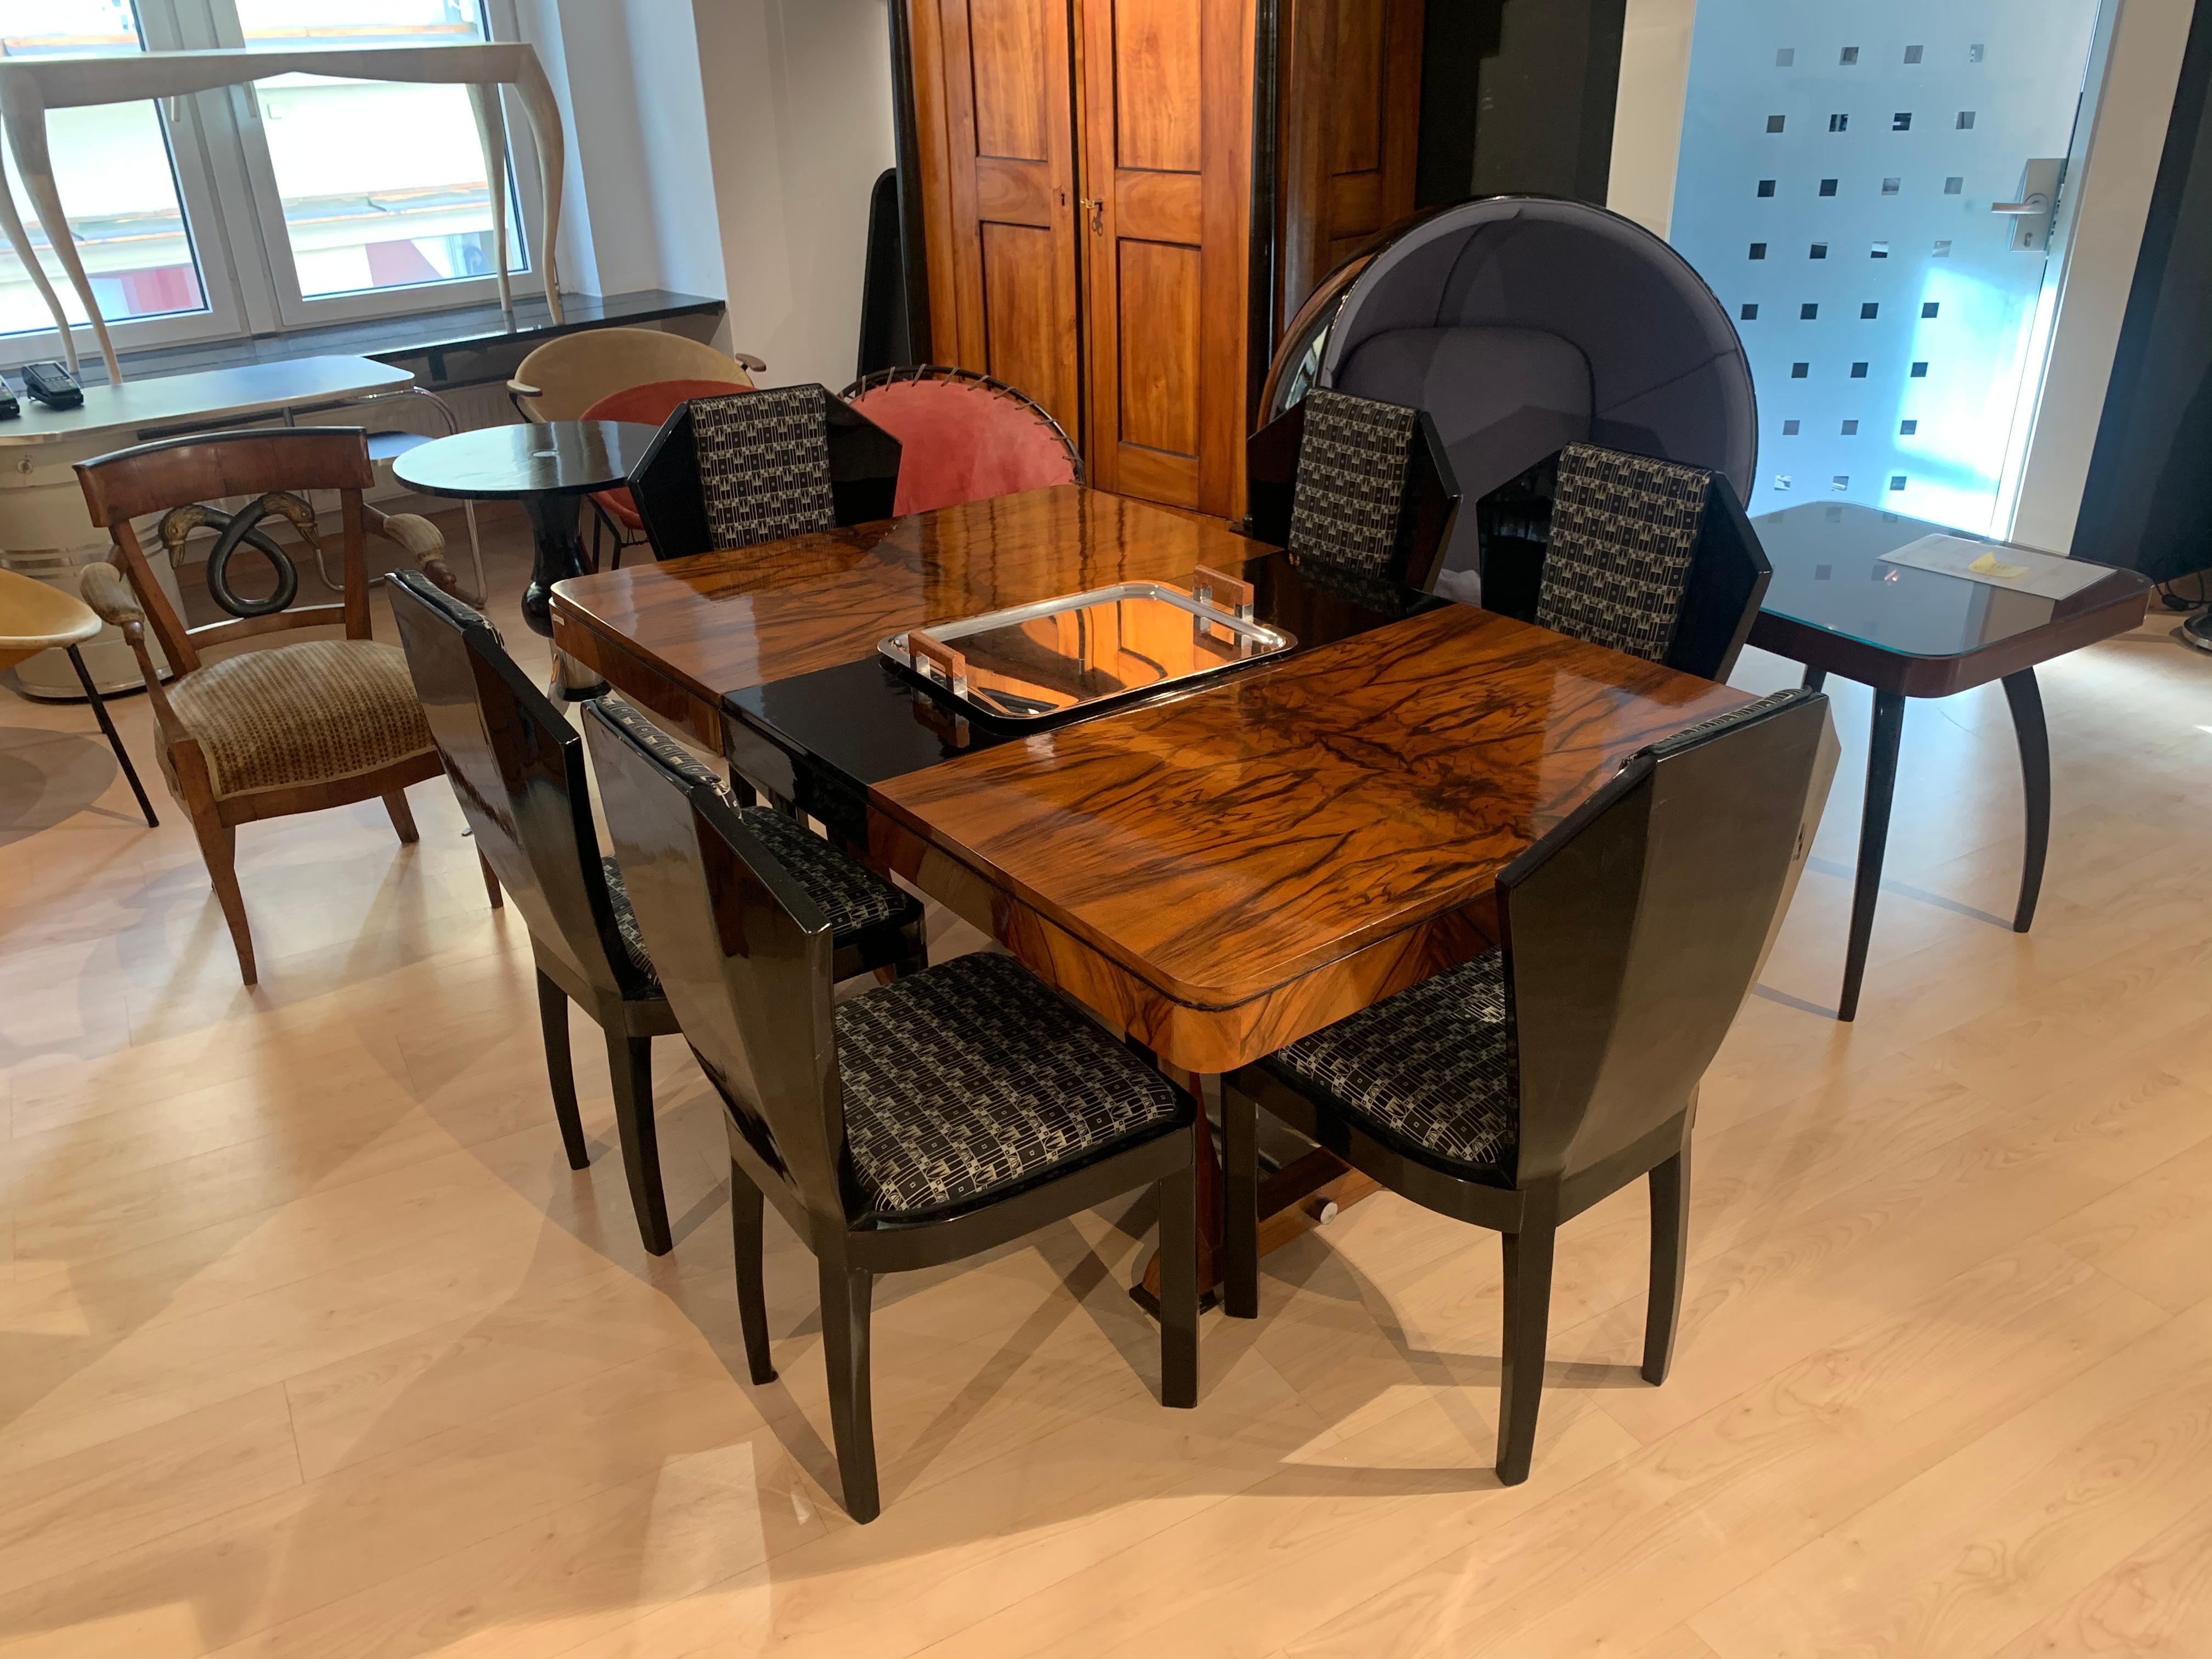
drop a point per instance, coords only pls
(1519, 1088)
(751, 467)
(918, 1123)
(1641, 556)
(1360, 488)
(518, 768)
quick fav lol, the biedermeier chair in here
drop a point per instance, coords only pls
(289, 728)
(920, 1123)
(1358, 489)
(518, 770)
(758, 466)
(1519, 1088)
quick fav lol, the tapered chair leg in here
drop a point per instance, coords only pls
(1179, 1288)
(491, 884)
(1527, 1329)
(114, 739)
(1670, 1252)
(847, 1294)
(561, 1070)
(219, 850)
(1240, 1200)
(745, 1216)
(402, 819)
(630, 1063)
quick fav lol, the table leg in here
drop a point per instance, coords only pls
(2026, 701)
(1874, 841)
(1147, 1288)
(560, 554)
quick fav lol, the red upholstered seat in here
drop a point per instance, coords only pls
(963, 442)
(647, 405)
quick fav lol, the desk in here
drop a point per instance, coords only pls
(1217, 872)
(44, 530)
(1838, 607)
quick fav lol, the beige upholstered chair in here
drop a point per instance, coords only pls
(293, 728)
(565, 376)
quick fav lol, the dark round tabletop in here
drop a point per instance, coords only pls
(553, 458)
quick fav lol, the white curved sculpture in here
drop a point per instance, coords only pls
(29, 86)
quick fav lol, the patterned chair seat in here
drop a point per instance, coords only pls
(971, 1077)
(293, 715)
(1432, 1068)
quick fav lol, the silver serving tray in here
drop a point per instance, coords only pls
(1033, 662)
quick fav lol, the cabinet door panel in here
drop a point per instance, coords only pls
(995, 105)
(1167, 104)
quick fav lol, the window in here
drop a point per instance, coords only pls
(1807, 313)
(1954, 184)
(1901, 122)
(1850, 428)
(1914, 54)
(303, 199)
(1907, 429)
(1929, 308)
(1759, 249)
(1766, 187)
(1799, 371)
(1869, 310)
(1850, 56)
(1818, 251)
(1751, 314)
(1790, 428)
(1827, 186)
(1836, 124)
(1774, 123)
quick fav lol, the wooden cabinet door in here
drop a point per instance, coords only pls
(994, 110)
(1167, 129)
(1351, 133)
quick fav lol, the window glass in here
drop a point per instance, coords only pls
(381, 183)
(112, 167)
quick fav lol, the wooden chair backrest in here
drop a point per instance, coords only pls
(180, 472)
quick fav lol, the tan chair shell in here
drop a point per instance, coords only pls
(563, 377)
(35, 618)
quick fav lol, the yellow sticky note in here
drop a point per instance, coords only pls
(1987, 565)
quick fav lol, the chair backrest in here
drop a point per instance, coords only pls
(656, 401)
(178, 477)
(572, 372)
(1357, 487)
(741, 470)
(964, 436)
(744, 956)
(518, 770)
(1651, 558)
(1632, 930)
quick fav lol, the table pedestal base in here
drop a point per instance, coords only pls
(560, 554)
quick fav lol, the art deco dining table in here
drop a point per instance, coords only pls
(1216, 869)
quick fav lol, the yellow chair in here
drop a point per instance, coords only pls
(564, 377)
(35, 618)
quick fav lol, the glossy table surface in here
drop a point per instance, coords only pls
(551, 458)
(1219, 870)
(1835, 603)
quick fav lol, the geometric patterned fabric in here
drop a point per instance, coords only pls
(972, 1076)
(1432, 1067)
(764, 463)
(1351, 484)
(1624, 529)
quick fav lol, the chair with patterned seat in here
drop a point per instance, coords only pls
(1644, 556)
(284, 729)
(1519, 1088)
(752, 467)
(919, 1123)
(518, 770)
(1361, 489)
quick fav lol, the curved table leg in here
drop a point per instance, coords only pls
(560, 554)
(1874, 841)
(2026, 701)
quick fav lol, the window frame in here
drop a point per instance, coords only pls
(234, 217)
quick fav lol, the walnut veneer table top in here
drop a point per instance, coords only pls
(1220, 870)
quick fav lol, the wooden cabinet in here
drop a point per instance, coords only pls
(1120, 199)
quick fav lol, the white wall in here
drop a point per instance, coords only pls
(725, 148)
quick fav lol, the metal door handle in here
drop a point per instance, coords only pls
(2038, 202)
(1096, 208)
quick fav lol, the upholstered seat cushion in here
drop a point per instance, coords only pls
(973, 1076)
(293, 715)
(1432, 1067)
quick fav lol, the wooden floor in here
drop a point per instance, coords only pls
(310, 1343)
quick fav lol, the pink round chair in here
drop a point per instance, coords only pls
(964, 436)
(645, 405)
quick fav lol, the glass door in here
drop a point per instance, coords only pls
(1874, 191)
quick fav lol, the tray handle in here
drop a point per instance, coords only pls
(921, 648)
(1236, 595)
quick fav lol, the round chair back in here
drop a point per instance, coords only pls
(572, 372)
(964, 436)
